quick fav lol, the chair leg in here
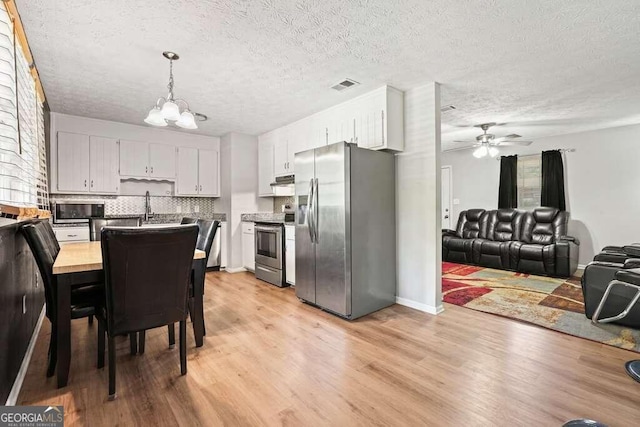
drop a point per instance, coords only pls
(183, 347)
(101, 337)
(172, 335)
(141, 338)
(133, 342)
(53, 351)
(112, 369)
(91, 320)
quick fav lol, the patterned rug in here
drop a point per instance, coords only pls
(552, 303)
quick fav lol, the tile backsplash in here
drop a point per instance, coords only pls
(126, 205)
(278, 202)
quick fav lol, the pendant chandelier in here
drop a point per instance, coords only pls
(168, 110)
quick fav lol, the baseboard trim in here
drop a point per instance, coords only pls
(22, 373)
(420, 306)
(235, 270)
(582, 266)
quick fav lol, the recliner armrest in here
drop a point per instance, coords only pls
(632, 250)
(447, 232)
(632, 263)
(569, 239)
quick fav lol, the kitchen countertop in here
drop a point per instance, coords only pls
(265, 217)
(158, 218)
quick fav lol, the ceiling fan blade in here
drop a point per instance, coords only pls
(468, 141)
(513, 143)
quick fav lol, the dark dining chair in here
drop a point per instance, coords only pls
(50, 237)
(84, 298)
(97, 224)
(146, 273)
(207, 230)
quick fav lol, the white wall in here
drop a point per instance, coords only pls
(418, 221)
(239, 180)
(602, 184)
(96, 127)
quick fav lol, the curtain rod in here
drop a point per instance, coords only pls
(562, 150)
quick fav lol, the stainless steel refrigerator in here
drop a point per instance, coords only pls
(345, 229)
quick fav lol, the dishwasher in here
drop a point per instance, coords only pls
(213, 263)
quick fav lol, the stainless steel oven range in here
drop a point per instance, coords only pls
(270, 265)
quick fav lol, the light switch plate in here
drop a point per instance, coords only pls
(456, 201)
(196, 208)
(178, 209)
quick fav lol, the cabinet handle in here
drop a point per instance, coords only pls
(201, 188)
(151, 169)
(196, 187)
(72, 235)
(146, 169)
(85, 183)
(91, 183)
(382, 114)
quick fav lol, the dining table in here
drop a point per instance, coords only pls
(81, 263)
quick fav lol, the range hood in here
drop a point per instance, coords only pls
(284, 185)
(283, 180)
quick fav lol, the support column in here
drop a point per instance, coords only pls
(418, 204)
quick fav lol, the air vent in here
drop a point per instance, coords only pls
(513, 135)
(447, 108)
(345, 84)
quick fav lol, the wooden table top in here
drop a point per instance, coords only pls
(87, 256)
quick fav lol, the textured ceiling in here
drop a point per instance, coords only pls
(545, 67)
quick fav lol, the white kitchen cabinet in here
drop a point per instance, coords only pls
(281, 152)
(208, 166)
(265, 165)
(340, 125)
(72, 234)
(290, 254)
(248, 246)
(162, 161)
(103, 165)
(223, 244)
(134, 159)
(143, 160)
(73, 162)
(379, 119)
(198, 172)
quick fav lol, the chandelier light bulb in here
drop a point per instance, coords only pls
(170, 111)
(493, 151)
(155, 117)
(480, 152)
(187, 120)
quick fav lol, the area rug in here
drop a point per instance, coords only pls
(552, 303)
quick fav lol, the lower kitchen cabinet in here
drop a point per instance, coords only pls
(248, 246)
(79, 233)
(290, 253)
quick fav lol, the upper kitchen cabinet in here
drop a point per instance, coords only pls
(103, 165)
(379, 119)
(198, 172)
(144, 160)
(281, 162)
(265, 164)
(86, 164)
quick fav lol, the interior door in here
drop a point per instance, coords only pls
(446, 197)
(208, 163)
(187, 183)
(162, 161)
(73, 162)
(103, 165)
(305, 248)
(333, 286)
(134, 158)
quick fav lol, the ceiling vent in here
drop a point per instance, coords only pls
(512, 136)
(447, 108)
(345, 84)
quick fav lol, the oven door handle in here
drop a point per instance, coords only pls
(309, 218)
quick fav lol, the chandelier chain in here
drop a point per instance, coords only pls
(170, 85)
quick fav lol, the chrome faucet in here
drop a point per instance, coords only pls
(147, 207)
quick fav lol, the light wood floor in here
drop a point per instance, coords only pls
(268, 359)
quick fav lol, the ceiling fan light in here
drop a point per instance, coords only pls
(155, 117)
(187, 120)
(493, 151)
(480, 152)
(171, 111)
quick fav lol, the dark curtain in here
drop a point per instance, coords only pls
(552, 194)
(508, 192)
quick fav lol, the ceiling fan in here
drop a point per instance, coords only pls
(487, 143)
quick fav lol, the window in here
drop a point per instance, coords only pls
(23, 174)
(529, 181)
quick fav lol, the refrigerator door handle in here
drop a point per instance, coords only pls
(315, 210)
(308, 219)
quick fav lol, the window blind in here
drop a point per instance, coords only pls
(23, 171)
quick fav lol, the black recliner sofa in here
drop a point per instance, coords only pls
(533, 242)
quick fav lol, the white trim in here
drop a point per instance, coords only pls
(236, 270)
(581, 266)
(420, 306)
(17, 384)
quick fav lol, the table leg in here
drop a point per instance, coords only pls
(197, 308)
(63, 324)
